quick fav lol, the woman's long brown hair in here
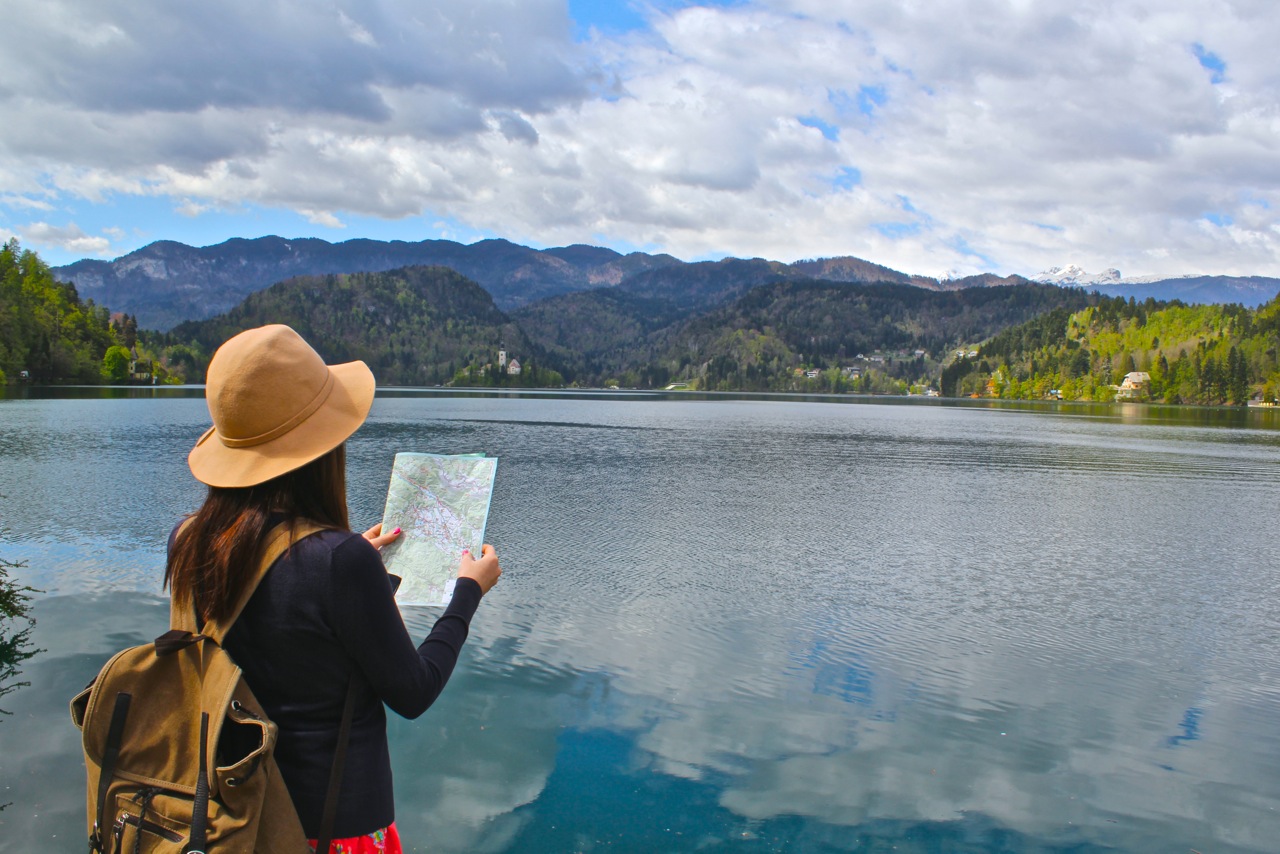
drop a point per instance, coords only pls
(216, 553)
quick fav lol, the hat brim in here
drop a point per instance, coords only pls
(342, 413)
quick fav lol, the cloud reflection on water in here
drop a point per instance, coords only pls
(825, 623)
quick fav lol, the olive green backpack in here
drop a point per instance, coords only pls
(179, 753)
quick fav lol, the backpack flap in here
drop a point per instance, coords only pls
(161, 740)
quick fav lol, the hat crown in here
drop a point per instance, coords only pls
(262, 382)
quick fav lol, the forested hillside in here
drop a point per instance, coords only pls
(596, 335)
(45, 328)
(1205, 354)
(413, 326)
(731, 325)
(760, 341)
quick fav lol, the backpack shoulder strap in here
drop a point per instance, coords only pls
(278, 541)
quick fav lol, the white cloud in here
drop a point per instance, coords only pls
(1020, 135)
(13, 200)
(69, 237)
(324, 218)
(188, 208)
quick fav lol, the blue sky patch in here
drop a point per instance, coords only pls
(614, 17)
(867, 100)
(1219, 219)
(1211, 62)
(608, 16)
(962, 246)
(870, 98)
(846, 178)
(897, 230)
(830, 131)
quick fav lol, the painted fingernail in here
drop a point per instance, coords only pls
(466, 551)
(397, 530)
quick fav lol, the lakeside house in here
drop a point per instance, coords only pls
(140, 370)
(1133, 384)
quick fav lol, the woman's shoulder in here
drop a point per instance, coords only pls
(348, 553)
(335, 543)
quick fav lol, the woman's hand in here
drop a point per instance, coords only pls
(379, 539)
(484, 571)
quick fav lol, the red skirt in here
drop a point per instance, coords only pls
(385, 841)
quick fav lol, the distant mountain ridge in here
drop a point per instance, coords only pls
(1250, 291)
(166, 283)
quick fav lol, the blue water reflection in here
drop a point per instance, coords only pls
(753, 625)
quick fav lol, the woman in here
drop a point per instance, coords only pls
(323, 616)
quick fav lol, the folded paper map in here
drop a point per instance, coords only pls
(440, 503)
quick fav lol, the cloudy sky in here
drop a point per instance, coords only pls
(934, 137)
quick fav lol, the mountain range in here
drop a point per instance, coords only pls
(726, 325)
(1250, 291)
(166, 283)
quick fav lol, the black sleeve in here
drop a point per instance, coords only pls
(368, 623)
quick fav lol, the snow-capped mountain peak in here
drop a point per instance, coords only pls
(1074, 275)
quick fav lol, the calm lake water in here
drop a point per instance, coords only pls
(750, 625)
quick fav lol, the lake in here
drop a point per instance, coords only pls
(736, 624)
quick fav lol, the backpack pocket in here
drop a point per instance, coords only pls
(80, 705)
(140, 826)
(245, 742)
(132, 833)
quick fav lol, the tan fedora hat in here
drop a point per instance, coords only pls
(276, 406)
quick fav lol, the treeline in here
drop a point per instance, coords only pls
(412, 326)
(1203, 354)
(838, 337)
(490, 375)
(46, 330)
(718, 327)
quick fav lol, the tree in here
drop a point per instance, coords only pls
(1237, 378)
(15, 639)
(45, 328)
(115, 364)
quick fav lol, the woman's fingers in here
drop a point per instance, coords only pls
(375, 536)
(484, 571)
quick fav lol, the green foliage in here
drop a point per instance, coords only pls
(413, 326)
(490, 375)
(115, 364)
(1203, 354)
(45, 329)
(800, 336)
(598, 334)
(767, 329)
(15, 629)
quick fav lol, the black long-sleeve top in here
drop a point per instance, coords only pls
(323, 613)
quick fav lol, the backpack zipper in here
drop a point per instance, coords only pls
(142, 825)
